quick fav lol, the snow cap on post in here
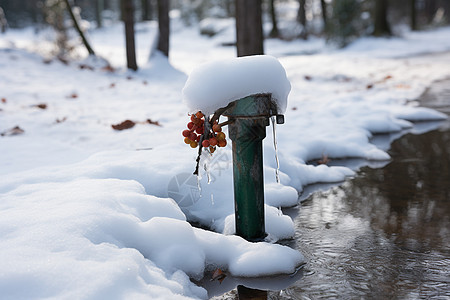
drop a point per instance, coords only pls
(215, 84)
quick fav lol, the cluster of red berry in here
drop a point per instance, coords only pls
(196, 134)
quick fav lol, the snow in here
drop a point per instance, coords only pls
(87, 212)
(215, 84)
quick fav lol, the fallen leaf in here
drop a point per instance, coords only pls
(112, 85)
(145, 82)
(307, 77)
(13, 131)
(108, 68)
(61, 120)
(218, 275)
(369, 86)
(84, 66)
(294, 108)
(127, 124)
(387, 77)
(41, 105)
(72, 96)
(129, 77)
(149, 121)
(3, 100)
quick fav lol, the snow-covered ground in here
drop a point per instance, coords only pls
(88, 212)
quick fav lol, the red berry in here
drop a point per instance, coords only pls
(220, 136)
(213, 141)
(190, 125)
(222, 143)
(205, 143)
(198, 138)
(192, 136)
(217, 128)
(200, 130)
(186, 133)
(199, 115)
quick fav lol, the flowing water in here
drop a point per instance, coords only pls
(384, 234)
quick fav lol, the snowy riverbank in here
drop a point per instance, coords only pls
(84, 209)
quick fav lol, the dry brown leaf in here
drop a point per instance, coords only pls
(13, 131)
(149, 121)
(218, 275)
(61, 120)
(85, 67)
(108, 68)
(4, 100)
(72, 96)
(41, 105)
(127, 124)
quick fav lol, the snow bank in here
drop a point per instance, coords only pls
(105, 238)
(215, 84)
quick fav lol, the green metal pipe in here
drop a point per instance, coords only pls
(248, 120)
(248, 178)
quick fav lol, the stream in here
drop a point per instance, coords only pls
(384, 234)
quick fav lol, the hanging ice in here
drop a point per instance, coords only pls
(274, 132)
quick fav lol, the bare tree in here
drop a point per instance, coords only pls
(381, 26)
(323, 5)
(78, 28)
(98, 12)
(147, 10)
(164, 26)
(273, 16)
(413, 14)
(3, 22)
(249, 33)
(301, 18)
(128, 19)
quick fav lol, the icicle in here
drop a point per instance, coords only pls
(208, 174)
(199, 187)
(274, 131)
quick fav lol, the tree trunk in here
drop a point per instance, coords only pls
(128, 19)
(249, 33)
(430, 8)
(301, 18)
(3, 22)
(98, 12)
(381, 24)
(323, 5)
(145, 10)
(413, 14)
(164, 26)
(273, 15)
(78, 29)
